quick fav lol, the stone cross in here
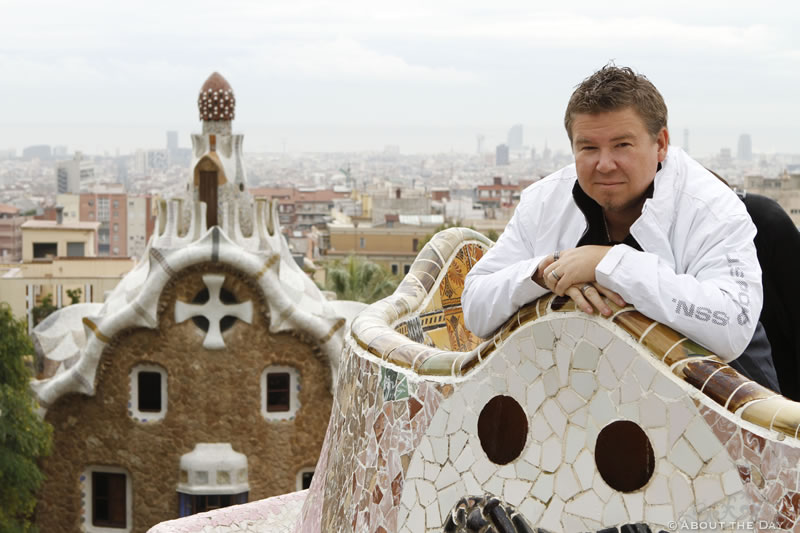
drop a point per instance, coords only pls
(213, 310)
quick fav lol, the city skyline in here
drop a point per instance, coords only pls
(358, 76)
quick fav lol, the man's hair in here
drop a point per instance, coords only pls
(614, 88)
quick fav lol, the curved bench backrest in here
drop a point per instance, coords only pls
(441, 323)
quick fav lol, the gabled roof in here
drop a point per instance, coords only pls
(72, 340)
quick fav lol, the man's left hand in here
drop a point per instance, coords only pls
(575, 266)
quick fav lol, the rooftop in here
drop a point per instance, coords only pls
(54, 225)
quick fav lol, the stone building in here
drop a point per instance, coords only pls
(205, 378)
(784, 189)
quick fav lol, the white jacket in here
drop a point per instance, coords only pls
(698, 271)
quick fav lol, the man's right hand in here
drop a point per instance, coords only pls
(589, 296)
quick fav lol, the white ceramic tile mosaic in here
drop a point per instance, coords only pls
(570, 391)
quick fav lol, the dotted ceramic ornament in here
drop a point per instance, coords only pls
(216, 100)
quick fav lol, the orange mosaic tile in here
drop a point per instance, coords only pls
(747, 393)
(633, 322)
(660, 339)
(696, 371)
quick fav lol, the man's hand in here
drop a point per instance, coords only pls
(589, 296)
(573, 267)
(575, 277)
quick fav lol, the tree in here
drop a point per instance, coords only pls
(24, 436)
(44, 309)
(74, 295)
(359, 279)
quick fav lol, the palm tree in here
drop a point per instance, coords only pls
(359, 279)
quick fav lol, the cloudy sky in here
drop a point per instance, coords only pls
(360, 74)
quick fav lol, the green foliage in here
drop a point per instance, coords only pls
(492, 235)
(74, 295)
(24, 436)
(44, 309)
(359, 279)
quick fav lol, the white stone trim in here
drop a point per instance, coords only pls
(294, 389)
(146, 417)
(87, 501)
(214, 468)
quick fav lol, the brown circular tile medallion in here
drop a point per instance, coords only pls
(502, 429)
(624, 456)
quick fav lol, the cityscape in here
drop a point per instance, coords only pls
(234, 240)
(323, 196)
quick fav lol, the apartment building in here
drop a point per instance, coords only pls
(394, 245)
(11, 222)
(785, 190)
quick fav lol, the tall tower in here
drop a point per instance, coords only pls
(501, 155)
(515, 137)
(744, 151)
(480, 139)
(172, 141)
(686, 140)
(218, 176)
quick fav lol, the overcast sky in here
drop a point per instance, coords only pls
(360, 74)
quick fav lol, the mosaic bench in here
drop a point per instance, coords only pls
(562, 421)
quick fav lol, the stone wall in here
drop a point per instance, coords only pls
(213, 396)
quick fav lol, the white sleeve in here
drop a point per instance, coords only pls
(716, 302)
(500, 283)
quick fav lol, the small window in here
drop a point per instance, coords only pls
(75, 249)
(116, 227)
(149, 384)
(148, 402)
(106, 499)
(304, 477)
(362, 242)
(279, 392)
(406, 268)
(116, 204)
(395, 269)
(43, 250)
(415, 245)
(91, 203)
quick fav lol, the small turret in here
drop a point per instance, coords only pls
(218, 175)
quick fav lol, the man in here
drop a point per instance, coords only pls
(635, 220)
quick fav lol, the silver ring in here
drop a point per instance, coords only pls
(556, 255)
(585, 288)
(555, 275)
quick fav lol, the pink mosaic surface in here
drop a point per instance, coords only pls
(769, 470)
(378, 418)
(276, 515)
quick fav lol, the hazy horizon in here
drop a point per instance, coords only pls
(358, 75)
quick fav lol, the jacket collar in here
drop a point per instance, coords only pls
(654, 226)
(596, 229)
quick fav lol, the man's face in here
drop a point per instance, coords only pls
(616, 158)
